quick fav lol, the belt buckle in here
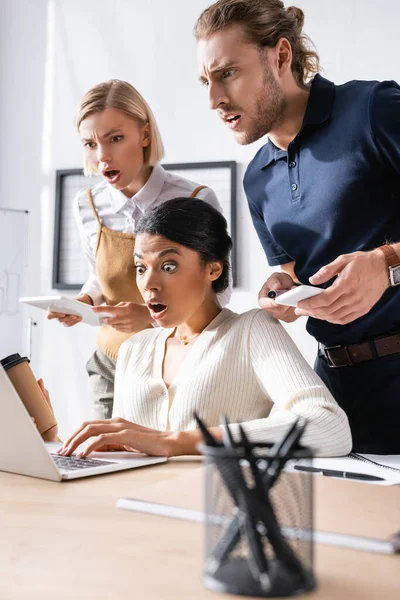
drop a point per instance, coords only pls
(328, 360)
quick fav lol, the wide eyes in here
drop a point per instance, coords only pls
(168, 267)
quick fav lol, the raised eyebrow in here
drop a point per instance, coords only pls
(160, 254)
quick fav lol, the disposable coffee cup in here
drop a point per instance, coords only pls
(24, 381)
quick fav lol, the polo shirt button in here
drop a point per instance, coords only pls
(294, 186)
(292, 164)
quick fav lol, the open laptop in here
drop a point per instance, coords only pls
(23, 451)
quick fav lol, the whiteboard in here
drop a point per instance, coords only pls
(13, 262)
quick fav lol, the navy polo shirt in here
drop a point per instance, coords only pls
(335, 190)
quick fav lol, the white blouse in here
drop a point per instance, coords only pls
(245, 366)
(120, 213)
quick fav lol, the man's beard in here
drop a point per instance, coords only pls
(269, 111)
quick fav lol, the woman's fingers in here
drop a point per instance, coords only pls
(110, 440)
(86, 433)
(111, 434)
(70, 320)
(78, 431)
(45, 392)
(67, 320)
(55, 315)
(114, 420)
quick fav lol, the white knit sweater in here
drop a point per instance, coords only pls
(245, 366)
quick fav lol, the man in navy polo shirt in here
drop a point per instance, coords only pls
(324, 196)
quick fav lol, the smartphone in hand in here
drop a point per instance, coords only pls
(300, 292)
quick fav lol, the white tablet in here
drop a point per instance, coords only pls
(68, 306)
(301, 292)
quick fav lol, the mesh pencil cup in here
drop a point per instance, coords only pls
(258, 524)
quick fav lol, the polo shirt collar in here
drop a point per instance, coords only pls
(319, 109)
(145, 197)
(320, 101)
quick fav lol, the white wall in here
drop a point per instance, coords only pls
(52, 51)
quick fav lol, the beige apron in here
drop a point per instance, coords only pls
(116, 272)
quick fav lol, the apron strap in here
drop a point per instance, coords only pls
(90, 198)
(197, 190)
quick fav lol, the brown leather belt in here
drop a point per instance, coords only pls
(346, 356)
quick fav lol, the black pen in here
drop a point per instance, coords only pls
(275, 293)
(342, 474)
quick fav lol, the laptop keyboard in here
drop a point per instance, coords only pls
(72, 463)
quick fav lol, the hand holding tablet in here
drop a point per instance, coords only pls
(66, 306)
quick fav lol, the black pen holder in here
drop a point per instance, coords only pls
(259, 538)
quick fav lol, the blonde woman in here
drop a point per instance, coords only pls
(122, 143)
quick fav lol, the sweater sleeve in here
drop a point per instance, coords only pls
(295, 390)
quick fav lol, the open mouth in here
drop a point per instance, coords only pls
(157, 309)
(232, 121)
(112, 175)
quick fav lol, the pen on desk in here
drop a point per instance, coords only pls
(275, 293)
(342, 474)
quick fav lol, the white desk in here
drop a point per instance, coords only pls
(69, 541)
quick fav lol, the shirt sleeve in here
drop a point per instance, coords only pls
(92, 286)
(295, 390)
(274, 253)
(384, 117)
(208, 195)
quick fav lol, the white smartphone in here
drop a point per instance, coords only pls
(68, 306)
(301, 292)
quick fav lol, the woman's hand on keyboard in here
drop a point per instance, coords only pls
(118, 434)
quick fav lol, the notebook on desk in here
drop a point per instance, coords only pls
(370, 468)
(23, 451)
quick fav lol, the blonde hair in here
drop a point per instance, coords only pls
(264, 22)
(121, 96)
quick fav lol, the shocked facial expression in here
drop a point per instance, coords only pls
(241, 84)
(113, 146)
(173, 282)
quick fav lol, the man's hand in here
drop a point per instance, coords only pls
(362, 279)
(127, 317)
(70, 320)
(277, 281)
